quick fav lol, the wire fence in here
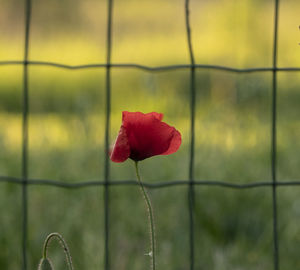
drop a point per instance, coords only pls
(191, 182)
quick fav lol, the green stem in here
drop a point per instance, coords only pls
(150, 216)
(63, 244)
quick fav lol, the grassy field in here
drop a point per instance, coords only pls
(233, 228)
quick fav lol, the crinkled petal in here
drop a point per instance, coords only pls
(134, 117)
(148, 136)
(144, 135)
(158, 116)
(174, 144)
(121, 149)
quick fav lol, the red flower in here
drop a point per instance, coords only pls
(144, 135)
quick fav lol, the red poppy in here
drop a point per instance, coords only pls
(144, 135)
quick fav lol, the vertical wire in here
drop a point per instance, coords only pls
(107, 128)
(25, 136)
(274, 138)
(191, 191)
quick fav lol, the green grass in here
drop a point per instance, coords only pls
(233, 229)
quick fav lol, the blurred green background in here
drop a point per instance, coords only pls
(233, 228)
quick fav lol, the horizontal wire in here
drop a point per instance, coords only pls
(149, 68)
(62, 184)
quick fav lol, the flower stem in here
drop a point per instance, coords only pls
(62, 243)
(150, 216)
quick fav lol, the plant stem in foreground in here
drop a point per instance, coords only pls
(63, 244)
(150, 216)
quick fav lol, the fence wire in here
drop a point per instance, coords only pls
(274, 140)
(191, 182)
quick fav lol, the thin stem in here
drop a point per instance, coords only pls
(63, 244)
(150, 216)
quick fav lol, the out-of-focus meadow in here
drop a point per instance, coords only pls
(233, 228)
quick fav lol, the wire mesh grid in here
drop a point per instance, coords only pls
(191, 182)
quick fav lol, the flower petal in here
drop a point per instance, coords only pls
(132, 117)
(158, 116)
(147, 135)
(121, 149)
(144, 135)
(174, 144)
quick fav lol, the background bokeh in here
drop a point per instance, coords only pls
(233, 228)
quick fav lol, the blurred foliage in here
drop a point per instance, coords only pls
(233, 228)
